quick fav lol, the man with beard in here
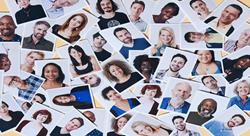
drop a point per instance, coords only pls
(211, 83)
(109, 18)
(178, 61)
(7, 30)
(180, 126)
(129, 43)
(73, 124)
(218, 128)
(206, 109)
(180, 93)
(36, 40)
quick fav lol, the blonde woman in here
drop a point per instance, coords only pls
(29, 61)
(166, 39)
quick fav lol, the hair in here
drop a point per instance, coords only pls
(181, 56)
(43, 112)
(75, 31)
(136, 123)
(97, 35)
(92, 114)
(177, 117)
(10, 18)
(118, 29)
(84, 58)
(41, 96)
(114, 122)
(61, 74)
(182, 83)
(141, 58)
(42, 23)
(187, 37)
(236, 86)
(172, 42)
(237, 7)
(138, 2)
(5, 104)
(37, 52)
(17, 1)
(2, 55)
(79, 119)
(205, 100)
(97, 83)
(204, 77)
(212, 54)
(105, 91)
(193, 1)
(152, 87)
(241, 117)
(174, 7)
(99, 8)
(121, 64)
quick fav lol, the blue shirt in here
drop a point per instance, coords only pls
(138, 44)
(238, 101)
(82, 96)
(116, 111)
(166, 105)
(52, 12)
(218, 129)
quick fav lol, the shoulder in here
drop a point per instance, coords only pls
(120, 14)
(210, 19)
(37, 7)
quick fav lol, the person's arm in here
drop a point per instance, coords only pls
(72, 71)
(95, 65)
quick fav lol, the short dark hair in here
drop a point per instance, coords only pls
(174, 6)
(99, 8)
(118, 29)
(177, 117)
(204, 77)
(181, 56)
(41, 96)
(79, 119)
(42, 22)
(237, 7)
(97, 35)
(152, 87)
(138, 2)
(61, 74)
(5, 104)
(193, 1)
(205, 100)
(43, 112)
(241, 117)
(187, 37)
(17, 1)
(141, 58)
(105, 91)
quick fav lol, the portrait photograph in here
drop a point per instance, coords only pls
(1, 83)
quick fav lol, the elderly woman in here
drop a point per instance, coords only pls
(119, 72)
(121, 105)
(206, 63)
(9, 119)
(118, 124)
(242, 90)
(166, 39)
(40, 117)
(146, 66)
(70, 30)
(144, 129)
(29, 61)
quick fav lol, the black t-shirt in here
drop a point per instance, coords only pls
(56, 132)
(103, 55)
(113, 134)
(16, 117)
(119, 18)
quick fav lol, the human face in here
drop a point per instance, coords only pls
(200, 7)
(165, 37)
(7, 26)
(63, 99)
(124, 36)
(244, 38)
(121, 122)
(136, 9)
(233, 122)
(144, 130)
(116, 71)
(176, 64)
(75, 22)
(90, 79)
(41, 118)
(30, 59)
(40, 31)
(4, 109)
(179, 124)
(196, 36)
(23, 3)
(37, 99)
(5, 64)
(210, 83)
(13, 81)
(113, 95)
(72, 125)
(146, 66)
(207, 108)
(99, 41)
(182, 91)
(150, 93)
(106, 6)
(51, 73)
(243, 63)
(243, 88)
(228, 15)
(204, 56)
(64, 3)
(90, 115)
(167, 13)
(75, 54)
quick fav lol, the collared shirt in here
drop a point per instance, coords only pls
(238, 101)
(218, 128)
(162, 74)
(189, 133)
(43, 44)
(16, 38)
(221, 29)
(51, 11)
(230, 46)
(165, 104)
(34, 83)
(140, 24)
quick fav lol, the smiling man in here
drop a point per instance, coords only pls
(212, 84)
(200, 7)
(167, 12)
